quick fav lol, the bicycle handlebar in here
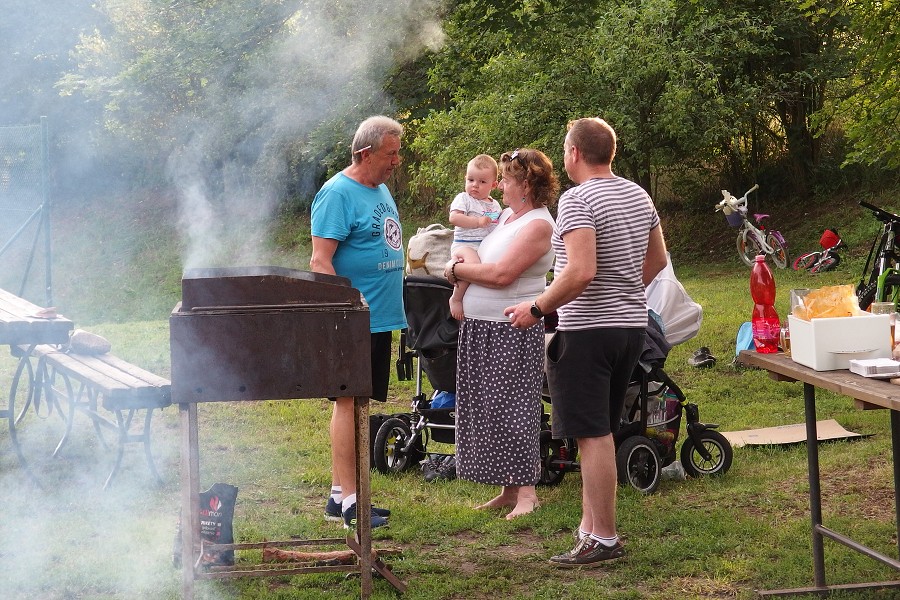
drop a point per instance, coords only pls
(882, 215)
(737, 204)
(743, 198)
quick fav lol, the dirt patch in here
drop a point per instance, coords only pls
(864, 491)
(701, 588)
(870, 483)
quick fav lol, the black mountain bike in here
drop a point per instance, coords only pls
(880, 281)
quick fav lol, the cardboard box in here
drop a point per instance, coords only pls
(829, 344)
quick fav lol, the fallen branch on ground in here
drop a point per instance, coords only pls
(333, 557)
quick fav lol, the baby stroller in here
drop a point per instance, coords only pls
(401, 440)
(651, 419)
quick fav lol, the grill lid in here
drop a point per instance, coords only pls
(268, 333)
(229, 288)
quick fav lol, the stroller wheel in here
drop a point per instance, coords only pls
(638, 464)
(390, 447)
(552, 450)
(716, 445)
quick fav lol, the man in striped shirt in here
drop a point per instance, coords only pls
(609, 246)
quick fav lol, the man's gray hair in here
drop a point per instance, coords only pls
(370, 133)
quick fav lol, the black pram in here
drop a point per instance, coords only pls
(648, 432)
(400, 441)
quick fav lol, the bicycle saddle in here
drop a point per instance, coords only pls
(759, 216)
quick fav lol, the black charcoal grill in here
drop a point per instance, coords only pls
(269, 333)
(266, 333)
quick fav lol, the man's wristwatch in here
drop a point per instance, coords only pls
(535, 311)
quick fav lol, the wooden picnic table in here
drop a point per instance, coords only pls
(24, 325)
(867, 394)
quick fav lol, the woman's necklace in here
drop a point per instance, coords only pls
(522, 209)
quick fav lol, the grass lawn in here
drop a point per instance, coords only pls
(721, 538)
(704, 538)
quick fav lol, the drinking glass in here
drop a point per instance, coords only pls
(785, 339)
(886, 308)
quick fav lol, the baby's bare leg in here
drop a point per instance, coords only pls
(469, 255)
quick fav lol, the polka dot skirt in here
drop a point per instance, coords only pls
(498, 402)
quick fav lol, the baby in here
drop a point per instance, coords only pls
(473, 214)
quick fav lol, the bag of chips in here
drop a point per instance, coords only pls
(828, 301)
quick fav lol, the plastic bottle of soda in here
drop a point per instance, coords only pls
(765, 322)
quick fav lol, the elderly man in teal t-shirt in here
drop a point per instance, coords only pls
(356, 234)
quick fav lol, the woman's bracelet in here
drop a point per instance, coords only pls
(453, 271)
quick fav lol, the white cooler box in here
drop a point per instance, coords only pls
(831, 343)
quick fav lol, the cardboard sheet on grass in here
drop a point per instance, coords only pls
(788, 434)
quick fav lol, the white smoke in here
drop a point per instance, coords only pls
(69, 538)
(321, 70)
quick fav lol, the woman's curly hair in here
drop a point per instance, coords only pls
(535, 168)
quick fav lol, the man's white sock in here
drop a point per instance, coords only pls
(608, 542)
(348, 502)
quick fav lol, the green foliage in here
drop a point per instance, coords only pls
(657, 70)
(871, 106)
(732, 91)
(235, 93)
(265, 95)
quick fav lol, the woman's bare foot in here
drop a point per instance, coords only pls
(523, 507)
(501, 501)
(456, 308)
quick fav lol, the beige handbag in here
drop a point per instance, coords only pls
(429, 250)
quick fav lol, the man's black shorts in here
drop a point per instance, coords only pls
(588, 372)
(381, 364)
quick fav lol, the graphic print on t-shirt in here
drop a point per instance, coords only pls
(392, 233)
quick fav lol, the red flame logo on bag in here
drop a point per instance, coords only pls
(215, 504)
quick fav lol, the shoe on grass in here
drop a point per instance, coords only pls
(333, 511)
(588, 553)
(349, 517)
(702, 358)
(430, 467)
(439, 466)
(447, 468)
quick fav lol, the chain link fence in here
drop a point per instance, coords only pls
(25, 250)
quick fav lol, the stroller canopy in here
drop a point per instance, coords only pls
(680, 315)
(431, 326)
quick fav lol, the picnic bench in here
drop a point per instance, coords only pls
(84, 383)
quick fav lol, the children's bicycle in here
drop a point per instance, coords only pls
(824, 260)
(882, 282)
(753, 240)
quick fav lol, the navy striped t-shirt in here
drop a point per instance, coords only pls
(622, 215)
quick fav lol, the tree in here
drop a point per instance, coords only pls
(657, 70)
(249, 97)
(869, 109)
(34, 50)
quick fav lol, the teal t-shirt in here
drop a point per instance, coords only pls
(366, 225)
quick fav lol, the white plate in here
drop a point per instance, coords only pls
(879, 375)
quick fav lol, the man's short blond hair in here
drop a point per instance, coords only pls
(595, 140)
